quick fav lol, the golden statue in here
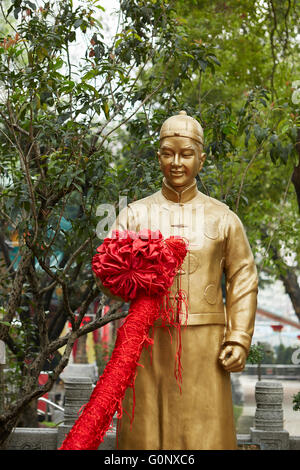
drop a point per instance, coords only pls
(215, 338)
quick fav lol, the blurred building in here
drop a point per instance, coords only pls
(276, 322)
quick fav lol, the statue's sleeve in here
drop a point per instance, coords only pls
(241, 284)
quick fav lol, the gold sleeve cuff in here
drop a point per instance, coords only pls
(237, 336)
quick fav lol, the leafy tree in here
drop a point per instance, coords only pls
(59, 113)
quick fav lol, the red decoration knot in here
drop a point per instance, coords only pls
(140, 268)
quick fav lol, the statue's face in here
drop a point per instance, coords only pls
(180, 160)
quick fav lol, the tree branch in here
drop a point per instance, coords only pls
(16, 292)
(296, 171)
(272, 32)
(258, 150)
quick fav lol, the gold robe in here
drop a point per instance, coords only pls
(201, 417)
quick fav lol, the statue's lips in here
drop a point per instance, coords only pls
(177, 173)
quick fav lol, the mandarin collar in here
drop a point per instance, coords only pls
(185, 196)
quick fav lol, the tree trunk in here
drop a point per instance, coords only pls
(29, 416)
(292, 288)
(6, 428)
(296, 172)
(290, 281)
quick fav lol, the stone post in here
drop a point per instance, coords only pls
(268, 430)
(236, 388)
(77, 394)
(2, 365)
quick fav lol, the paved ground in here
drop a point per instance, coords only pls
(291, 417)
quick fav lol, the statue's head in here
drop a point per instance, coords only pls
(181, 154)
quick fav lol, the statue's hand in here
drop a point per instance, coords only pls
(233, 357)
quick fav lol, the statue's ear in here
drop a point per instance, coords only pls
(202, 160)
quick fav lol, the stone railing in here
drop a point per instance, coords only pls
(278, 371)
(267, 433)
(77, 394)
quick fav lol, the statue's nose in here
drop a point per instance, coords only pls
(177, 159)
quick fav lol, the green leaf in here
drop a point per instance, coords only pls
(260, 133)
(105, 108)
(213, 57)
(31, 5)
(90, 74)
(203, 64)
(78, 23)
(57, 64)
(16, 11)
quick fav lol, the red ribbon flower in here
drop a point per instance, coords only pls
(141, 263)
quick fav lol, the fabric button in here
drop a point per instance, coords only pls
(190, 264)
(210, 294)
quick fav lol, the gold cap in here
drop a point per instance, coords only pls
(182, 125)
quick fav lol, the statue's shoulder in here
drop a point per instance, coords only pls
(153, 198)
(216, 209)
(214, 204)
